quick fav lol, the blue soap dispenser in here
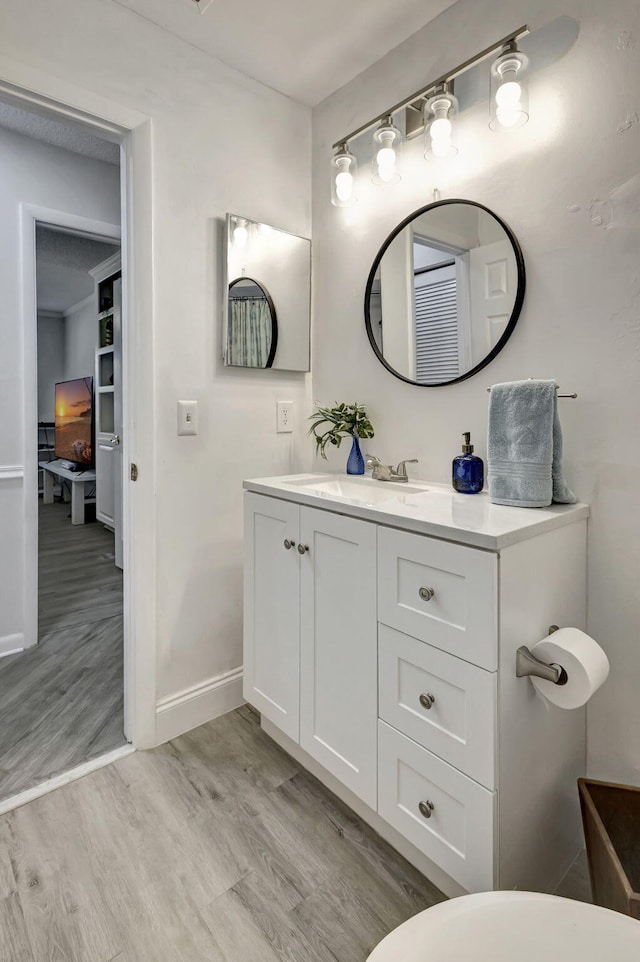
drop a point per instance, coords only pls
(468, 470)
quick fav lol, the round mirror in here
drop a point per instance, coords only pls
(444, 293)
(252, 330)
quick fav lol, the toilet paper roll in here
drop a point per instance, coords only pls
(582, 658)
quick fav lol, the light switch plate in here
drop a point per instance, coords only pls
(187, 417)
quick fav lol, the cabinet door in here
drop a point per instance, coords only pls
(338, 667)
(272, 611)
(105, 483)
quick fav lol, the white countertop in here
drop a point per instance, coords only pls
(423, 507)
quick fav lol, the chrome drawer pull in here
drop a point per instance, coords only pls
(426, 594)
(289, 544)
(426, 808)
(427, 701)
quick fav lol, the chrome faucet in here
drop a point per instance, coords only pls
(385, 472)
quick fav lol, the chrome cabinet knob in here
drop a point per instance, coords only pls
(426, 593)
(427, 701)
(426, 808)
(289, 544)
(302, 548)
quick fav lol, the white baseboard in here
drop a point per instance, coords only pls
(11, 643)
(195, 706)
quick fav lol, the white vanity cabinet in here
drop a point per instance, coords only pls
(382, 644)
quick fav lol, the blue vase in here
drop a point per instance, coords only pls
(355, 461)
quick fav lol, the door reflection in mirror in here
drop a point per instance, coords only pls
(444, 293)
(252, 325)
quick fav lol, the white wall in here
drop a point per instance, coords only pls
(580, 318)
(80, 337)
(220, 143)
(48, 177)
(51, 344)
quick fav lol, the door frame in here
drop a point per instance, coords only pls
(50, 97)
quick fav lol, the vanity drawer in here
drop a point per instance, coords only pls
(460, 724)
(457, 827)
(442, 593)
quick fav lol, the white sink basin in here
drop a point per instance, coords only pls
(359, 490)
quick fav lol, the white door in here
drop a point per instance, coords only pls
(338, 648)
(493, 281)
(272, 610)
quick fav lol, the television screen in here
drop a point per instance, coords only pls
(74, 421)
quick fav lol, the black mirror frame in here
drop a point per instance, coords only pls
(515, 313)
(274, 320)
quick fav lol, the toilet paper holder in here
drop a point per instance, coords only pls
(528, 664)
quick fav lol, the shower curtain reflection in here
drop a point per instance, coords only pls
(252, 328)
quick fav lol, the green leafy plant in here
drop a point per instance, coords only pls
(343, 420)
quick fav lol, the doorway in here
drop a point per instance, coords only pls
(130, 132)
(62, 686)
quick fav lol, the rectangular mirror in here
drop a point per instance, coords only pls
(267, 301)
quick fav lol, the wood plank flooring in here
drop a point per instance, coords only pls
(61, 703)
(216, 847)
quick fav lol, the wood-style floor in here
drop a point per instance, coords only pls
(216, 847)
(61, 703)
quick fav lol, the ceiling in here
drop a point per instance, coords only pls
(304, 49)
(75, 139)
(63, 262)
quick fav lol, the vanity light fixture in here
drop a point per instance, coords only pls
(440, 112)
(387, 145)
(433, 109)
(509, 93)
(343, 181)
(240, 233)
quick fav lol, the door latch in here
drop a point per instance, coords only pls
(134, 472)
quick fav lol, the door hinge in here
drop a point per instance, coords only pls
(134, 471)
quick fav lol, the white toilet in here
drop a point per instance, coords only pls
(512, 927)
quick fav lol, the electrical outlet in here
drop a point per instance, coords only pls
(187, 417)
(284, 417)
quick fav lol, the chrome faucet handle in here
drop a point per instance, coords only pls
(380, 471)
(401, 470)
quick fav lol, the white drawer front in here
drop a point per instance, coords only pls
(458, 835)
(460, 723)
(444, 594)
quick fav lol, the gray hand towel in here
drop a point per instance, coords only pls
(525, 446)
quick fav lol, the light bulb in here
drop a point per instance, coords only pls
(344, 169)
(508, 94)
(441, 129)
(240, 235)
(440, 112)
(386, 158)
(344, 185)
(387, 149)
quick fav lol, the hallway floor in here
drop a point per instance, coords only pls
(61, 701)
(216, 847)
